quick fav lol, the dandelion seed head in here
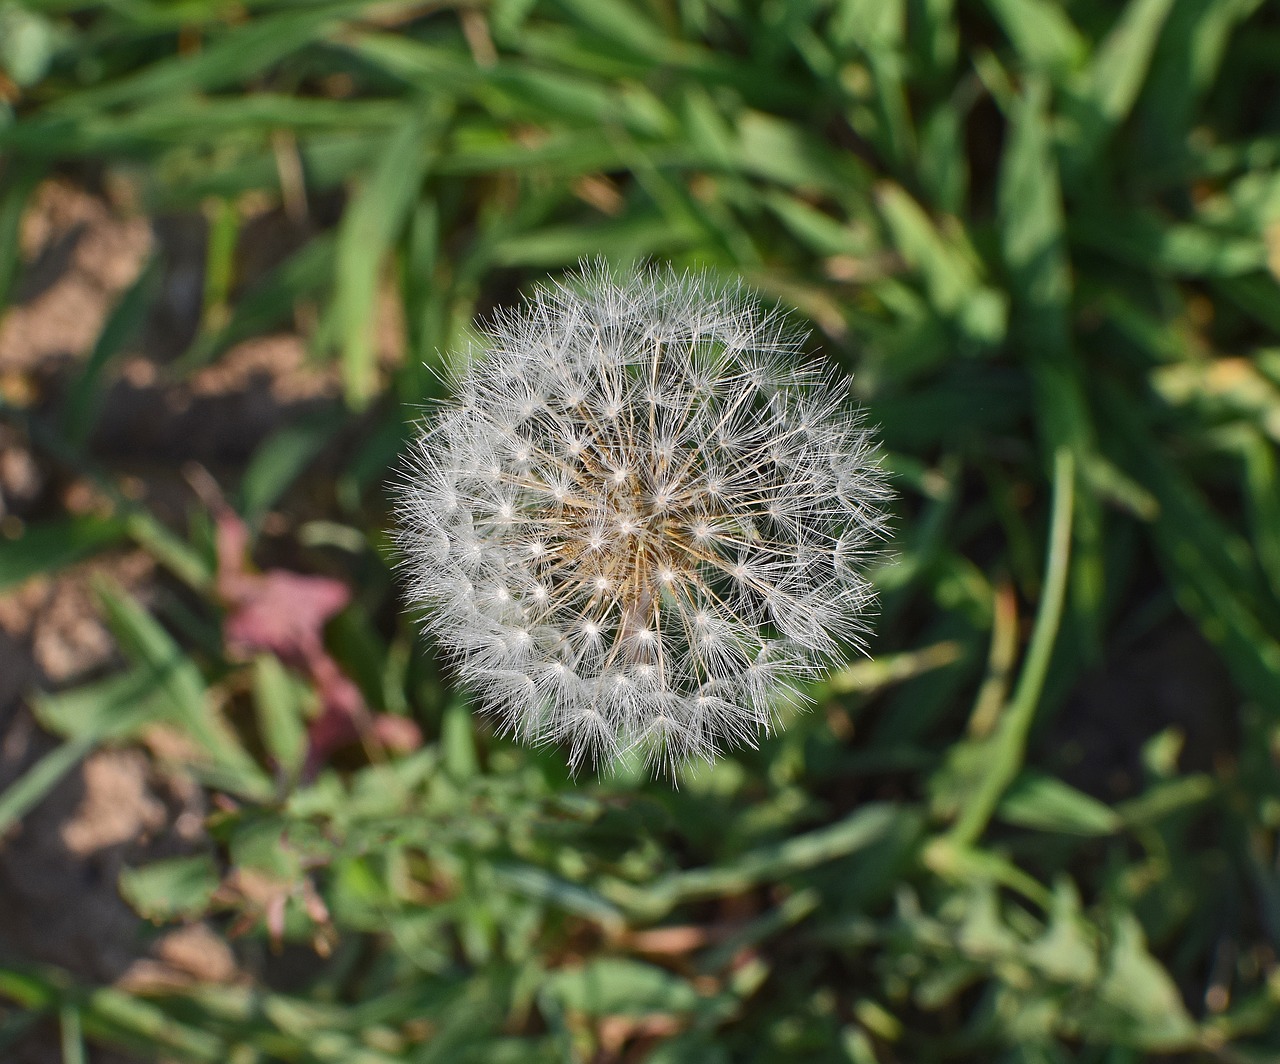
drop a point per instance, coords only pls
(643, 522)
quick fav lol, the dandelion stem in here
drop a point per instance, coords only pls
(1008, 742)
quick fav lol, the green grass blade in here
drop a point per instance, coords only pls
(126, 318)
(621, 23)
(56, 543)
(1115, 76)
(71, 1037)
(268, 304)
(243, 53)
(279, 462)
(369, 227)
(26, 792)
(144, 640)
(1226, 595)
(1187, 62)
(1042, 34)
(15, 191)
(855, 832)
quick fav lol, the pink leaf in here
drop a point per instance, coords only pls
(281, 612)
(284, 613)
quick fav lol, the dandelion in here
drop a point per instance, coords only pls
(644, 519)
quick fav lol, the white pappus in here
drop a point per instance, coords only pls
(643, 520)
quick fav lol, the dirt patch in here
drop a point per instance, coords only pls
(222, 413)
(60, 865)
(55, 617)
(78, 257)
(1171, 679)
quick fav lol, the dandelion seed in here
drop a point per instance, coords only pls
(643, 523)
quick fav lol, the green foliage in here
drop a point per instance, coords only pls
(1045, 237)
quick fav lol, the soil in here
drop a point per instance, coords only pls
(1170, 680)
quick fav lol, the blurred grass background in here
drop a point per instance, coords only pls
(1039, 825)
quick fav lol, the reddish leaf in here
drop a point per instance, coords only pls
(284, 613)
(278, 611)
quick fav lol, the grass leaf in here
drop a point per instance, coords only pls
(369, 227)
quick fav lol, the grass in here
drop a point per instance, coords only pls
(1044, 237)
